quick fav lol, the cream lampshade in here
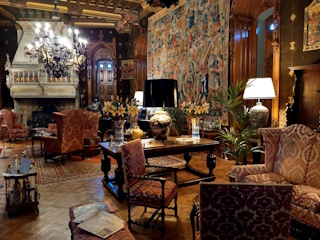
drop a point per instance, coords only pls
(138, 95)
(259, 88)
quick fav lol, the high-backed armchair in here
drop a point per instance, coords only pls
(244, 211)
(143, 190)
(91, 124)
(70, 135)
(10, 128)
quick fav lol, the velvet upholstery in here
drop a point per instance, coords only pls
(244, 211)
(10, 128)
(144, 190)
(91, 124)
(292, 156)
(70, 133)
(79, 234)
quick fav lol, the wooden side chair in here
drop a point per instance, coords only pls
(144, 190)
(244, 211)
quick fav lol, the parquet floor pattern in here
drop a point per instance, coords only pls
(52, 222)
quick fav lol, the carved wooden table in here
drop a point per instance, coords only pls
(169, 148)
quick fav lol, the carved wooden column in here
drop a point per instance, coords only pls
(276, 65)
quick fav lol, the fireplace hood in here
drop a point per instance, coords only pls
(28, 79)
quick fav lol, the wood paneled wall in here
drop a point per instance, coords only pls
(244, 62)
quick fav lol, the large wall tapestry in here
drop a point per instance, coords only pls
(311, 35)
(190, 43)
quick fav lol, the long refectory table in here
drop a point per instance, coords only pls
(170, 147)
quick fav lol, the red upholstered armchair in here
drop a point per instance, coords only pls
(10, 128)
(91, 124)
(244, 211)
(143, 190)
(70, 135)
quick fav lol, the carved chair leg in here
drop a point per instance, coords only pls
(175, 205)
(129, 214)
(45, 157)
(162, 221)
(82, 156)
(145, 209)
(62, 160)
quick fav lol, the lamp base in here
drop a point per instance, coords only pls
(160, 125)
(259, 116)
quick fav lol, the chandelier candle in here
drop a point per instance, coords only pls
(58, 51)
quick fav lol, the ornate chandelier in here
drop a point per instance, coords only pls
(57, 52)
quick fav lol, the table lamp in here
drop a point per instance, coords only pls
(259, 88)
(160, 93)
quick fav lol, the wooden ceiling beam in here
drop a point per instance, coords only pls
(8, 15)
(117, 3)
(98, 2)
(73, 7)
(107, 2)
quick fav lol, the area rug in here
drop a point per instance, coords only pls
(77, 169)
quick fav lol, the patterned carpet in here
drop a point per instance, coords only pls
(76, 169)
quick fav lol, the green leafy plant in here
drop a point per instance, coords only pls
(236, 140)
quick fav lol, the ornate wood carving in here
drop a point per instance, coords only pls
(96, 51)
(302, 106)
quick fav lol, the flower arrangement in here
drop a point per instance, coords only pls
(117, 109)
(195, 109)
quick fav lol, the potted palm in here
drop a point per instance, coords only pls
(236, 139)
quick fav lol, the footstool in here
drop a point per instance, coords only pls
(79, 234)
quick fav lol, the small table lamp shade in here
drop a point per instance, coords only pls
(259, 88)
(160, 93)
(138, 95)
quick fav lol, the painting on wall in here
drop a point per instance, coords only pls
(190, 43)
(127, 69)
(311, 35)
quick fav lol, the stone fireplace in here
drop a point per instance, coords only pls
(31, 88)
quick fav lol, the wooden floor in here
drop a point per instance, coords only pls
(52, 222)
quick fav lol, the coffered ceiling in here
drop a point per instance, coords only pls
(81, 13)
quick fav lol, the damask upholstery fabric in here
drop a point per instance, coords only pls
(70, 133)
(306, 197)
(10, 128)
(133, 161)
(313, 170)
(265, 178)
(271, 138)
(91, 124)
(148, 193)
(245, 170)
(79, 234)
(293, 153)
(297, 160)
(305, 216)
(244, 211)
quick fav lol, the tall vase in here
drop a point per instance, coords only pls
(118, 132)
(195, 125)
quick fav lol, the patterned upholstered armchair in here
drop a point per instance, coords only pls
(70, 135)
(143, 190)
(91, 124)
(244, 211)
(292, 156)
(10, 128)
